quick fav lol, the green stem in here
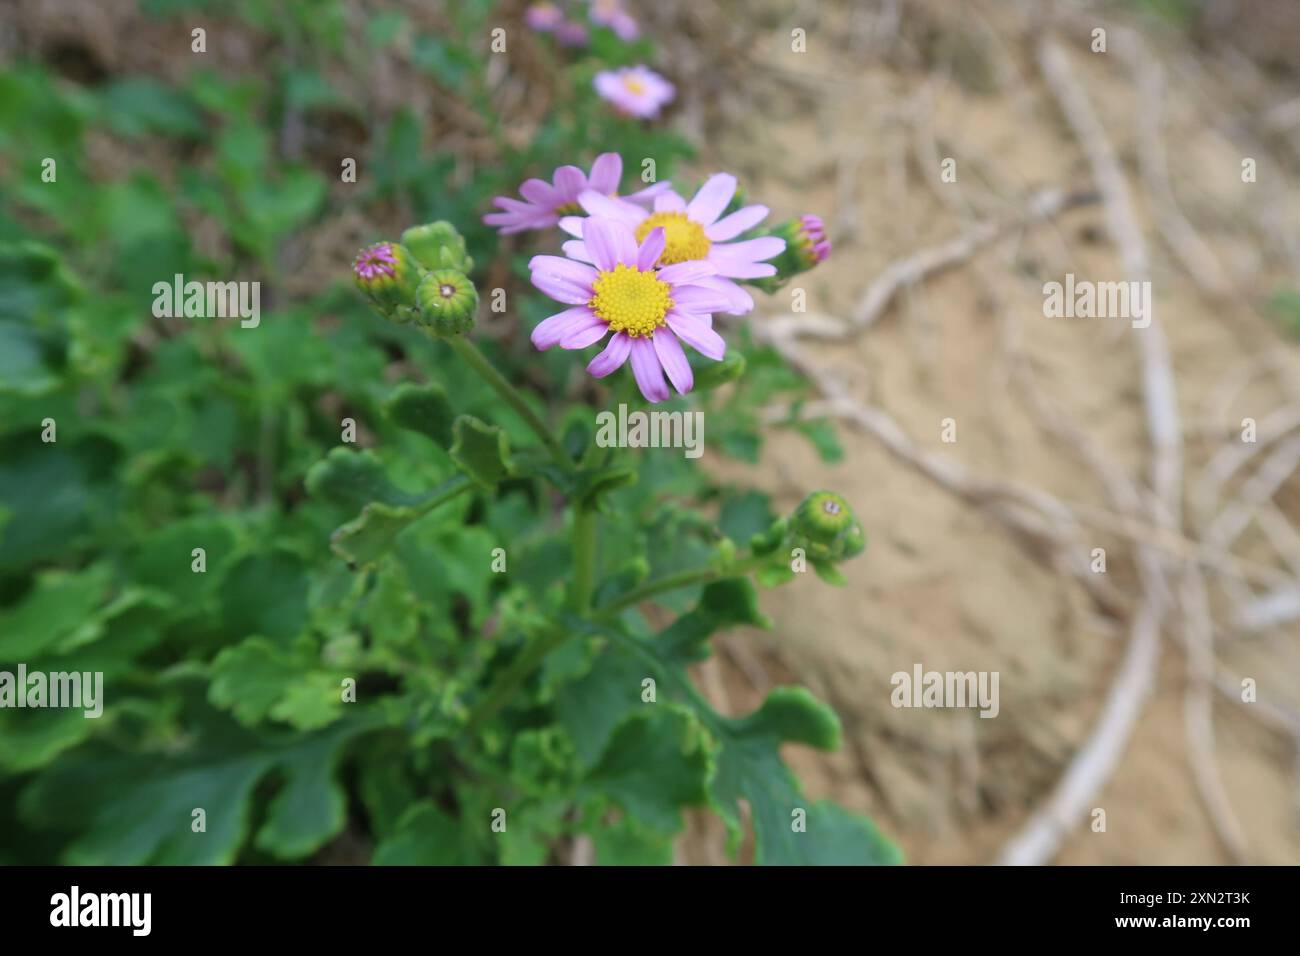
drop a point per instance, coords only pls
(583, 581)
(475, 359)
(679, 579)
(518, 672)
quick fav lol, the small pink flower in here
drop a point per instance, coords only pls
(635, 90)
(543, 17)
(571, 34)
(374, 262)
(694, 232)
(611, 13)
(650, 311)
(544, 203)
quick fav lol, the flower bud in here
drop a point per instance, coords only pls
(437, 245)
(806, 244)
(826, 527)
(389, 277)
(447, 301)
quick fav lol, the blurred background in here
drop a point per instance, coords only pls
(1121, 689)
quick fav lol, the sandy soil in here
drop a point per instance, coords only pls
(944, 583)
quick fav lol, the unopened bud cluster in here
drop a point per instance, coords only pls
(424, 279)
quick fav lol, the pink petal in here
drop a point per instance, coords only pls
(712, 199)
(570, 181)
(540, 192)
(751, 250)
(561, 290)
(572, 225)
(579, 273)
(651, 249)
(746, 270)
(613, 357)
(669, 202)
(688, 271)
(729, 227)
(620, 210)
(596, 236)
(579, 336)
(551, 330)
(674, 361)
(698, 299)
(577, 249)
(648, 372)
(694, 332)
(739, 302)
(609, 243)
(606, 171)
(650, 192)
(514, 205)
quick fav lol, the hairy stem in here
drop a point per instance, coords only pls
(679, 579)
(475, 359)
(583, 581)
(519, 671)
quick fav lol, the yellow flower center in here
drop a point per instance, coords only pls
(683, 240)
(634, 85)
(630, 300)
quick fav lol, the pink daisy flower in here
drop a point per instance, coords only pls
(635, 90)
(694, 232)
(650, 311)
(572, 34)
(544, 203)
(611, 13)
(543, 16)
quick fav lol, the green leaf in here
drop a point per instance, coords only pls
(794, 714)
(265, 593)
(591, 707)
(32, 738)
(27, 365)
(425, 836)
(626, 844)
(130, 810)
(368, 537)
(423, 409)
(257, 679)
(732, 602)
(311, 806)
(716, 374)
(745, 752)
(60, 613)
(481, 450)
(356, 478)
(822, 434)
(657, 762)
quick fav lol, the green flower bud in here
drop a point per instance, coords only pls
(806, 245)
(447, 301)
(825, 526)
(437, 245)
(389, 277)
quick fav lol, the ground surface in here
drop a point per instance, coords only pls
(858, 133)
